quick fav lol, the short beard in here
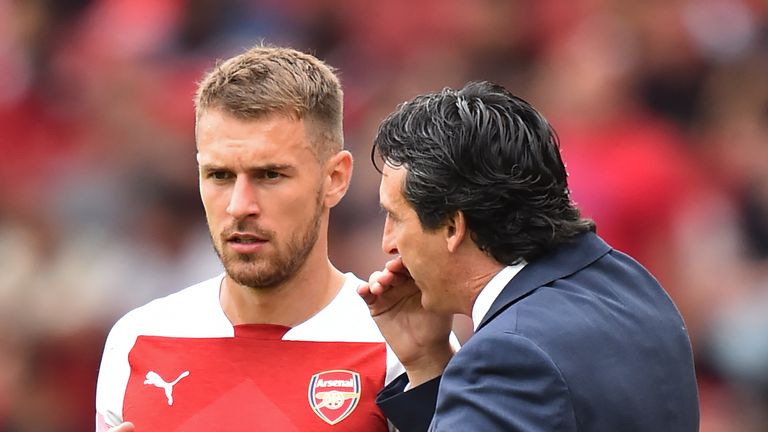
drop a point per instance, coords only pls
(273, 271)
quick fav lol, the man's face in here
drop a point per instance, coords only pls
(424, 253)
(260, 184)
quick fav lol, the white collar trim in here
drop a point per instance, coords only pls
(491, 291)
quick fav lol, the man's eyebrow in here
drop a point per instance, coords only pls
(386, 209)
(210, 166)
(265, 167)
(270, 167)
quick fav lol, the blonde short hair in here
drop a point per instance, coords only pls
(266, 80)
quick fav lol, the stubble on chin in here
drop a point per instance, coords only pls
(274, 267)
(255, 273)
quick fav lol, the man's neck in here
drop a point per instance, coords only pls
(476, 271)
(288, 304)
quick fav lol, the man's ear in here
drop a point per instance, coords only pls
(338, 173)
(455, 230)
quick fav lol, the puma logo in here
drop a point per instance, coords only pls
(157, 381)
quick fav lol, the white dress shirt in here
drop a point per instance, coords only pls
(492, 290)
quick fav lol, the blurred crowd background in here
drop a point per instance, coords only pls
(661, 107)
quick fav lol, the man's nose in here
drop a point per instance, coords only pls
(244, 199)
(388, 243)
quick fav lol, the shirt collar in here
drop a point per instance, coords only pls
(492, 290)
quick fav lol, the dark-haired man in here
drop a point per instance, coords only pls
(570, 334)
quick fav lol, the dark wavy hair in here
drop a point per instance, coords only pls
(489, 154)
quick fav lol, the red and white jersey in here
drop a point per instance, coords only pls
(178, 364)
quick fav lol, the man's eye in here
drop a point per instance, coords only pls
(271, 175)
(219, 175)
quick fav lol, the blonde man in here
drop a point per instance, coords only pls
(280, 340)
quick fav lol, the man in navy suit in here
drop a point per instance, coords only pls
(570, 334)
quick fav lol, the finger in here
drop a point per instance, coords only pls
(364, 291)
(396, 265)
(374, 277)
(378, 289)
(376, 284)
(382, 281)
(394, 278)
(385, 278)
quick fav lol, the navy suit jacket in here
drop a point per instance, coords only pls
(582, 339)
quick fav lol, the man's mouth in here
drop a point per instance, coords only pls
(244, 237)
(246, 242)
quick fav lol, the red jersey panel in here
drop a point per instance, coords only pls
(184, 384)
(178, 364)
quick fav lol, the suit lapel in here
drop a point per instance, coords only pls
(563, 261)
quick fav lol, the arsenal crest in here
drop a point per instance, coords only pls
(334, 394)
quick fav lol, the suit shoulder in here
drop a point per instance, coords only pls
(500, 362)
